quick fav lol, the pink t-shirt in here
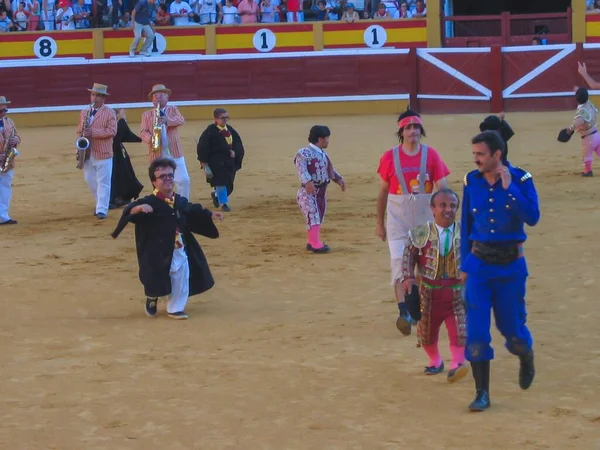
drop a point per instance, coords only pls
(435, 170)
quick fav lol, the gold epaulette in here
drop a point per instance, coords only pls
(465, 179)
(526, 176)
(419, 236)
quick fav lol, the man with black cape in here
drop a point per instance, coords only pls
(220, 152)
(125, 186)
(171, 262)
(501, 126)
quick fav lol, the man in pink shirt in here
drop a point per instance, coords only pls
(248, 11)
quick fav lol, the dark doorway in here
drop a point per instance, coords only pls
(490, 7)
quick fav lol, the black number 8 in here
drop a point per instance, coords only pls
(45, 48)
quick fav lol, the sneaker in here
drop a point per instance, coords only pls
(180, 315)
(146, 54)
(151, 306)
(215, 200)
(132, 54)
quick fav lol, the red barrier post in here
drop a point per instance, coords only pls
(496, 79)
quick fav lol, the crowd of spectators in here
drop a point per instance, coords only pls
(31, 15)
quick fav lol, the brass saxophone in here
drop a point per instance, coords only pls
(8, 152)
(157, 135)
(83, 144)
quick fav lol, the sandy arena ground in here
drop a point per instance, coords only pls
(290, 350)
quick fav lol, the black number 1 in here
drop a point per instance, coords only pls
(263, 35)
(374, 32)
(154, 46)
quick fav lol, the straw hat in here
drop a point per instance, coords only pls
(3, 101)
(99, 89)
(158, 88)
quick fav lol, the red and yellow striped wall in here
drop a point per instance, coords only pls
(41, 45)
(592, 28)
(213, 40)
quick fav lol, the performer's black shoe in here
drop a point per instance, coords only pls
(151, 306)
(433, 370)
(101, 216)
(587, 174)
(481, 375)
(526, 371)
(404, 321)
(458, 373)
(225, 208)
(9, 222)
(215, 200)
(323, 249)
(179, 315)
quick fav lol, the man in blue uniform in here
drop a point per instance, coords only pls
(498, 199)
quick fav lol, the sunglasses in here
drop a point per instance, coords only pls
(166, 176)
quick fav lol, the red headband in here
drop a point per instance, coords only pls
(408, 120)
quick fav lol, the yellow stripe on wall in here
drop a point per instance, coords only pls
(116, 45)
(290, 39)
(192, 42)
(65, 48)
(75, 47)
(357, 36)
(592, 28)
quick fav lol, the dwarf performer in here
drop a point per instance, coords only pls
(499, 124)
(171, 261)
(434, 249)
(584, 123)
(315, 170)
(409, 172)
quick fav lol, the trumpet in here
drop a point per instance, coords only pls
(83, 144)
(8, 152)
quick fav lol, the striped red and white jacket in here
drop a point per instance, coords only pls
(103, 128)
(9, 125)
(174, 121)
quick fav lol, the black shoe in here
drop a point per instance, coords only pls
(404, 321)
(433, 370)
(9, 222)
(151, 306)
(457, 373)
(481, 375)
(215, 200)
(323, 249)
(587, 174)
(526, 371)
(225, 208)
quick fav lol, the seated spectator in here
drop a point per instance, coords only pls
(381, 13)
(82, 13)
(403, 12)
(391, 6)
(350, 15)
(420, 10)
(322, 13)
(125, 21)
(228, 13)
(163, 18)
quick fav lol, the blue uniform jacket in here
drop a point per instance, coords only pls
(492, 214)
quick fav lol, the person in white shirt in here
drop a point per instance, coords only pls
(180, 12)
(207, 11)
(228, 13)
(65, 16)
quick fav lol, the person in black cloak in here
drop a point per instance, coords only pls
(171, 262)
(220, 152)
(497, 123)
(125, 186)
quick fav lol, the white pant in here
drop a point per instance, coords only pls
(182, 178)
(299, 17)
(137, 36)
(180, 282)
(5, 194)
(97, 174)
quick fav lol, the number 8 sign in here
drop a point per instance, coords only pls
(375, 36)
(45, 47)
(264, 40)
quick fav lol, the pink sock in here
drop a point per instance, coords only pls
(313, 236)
(588, 166)
(432, 350)
(458, 356)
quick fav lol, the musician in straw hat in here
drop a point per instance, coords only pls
(170, 119)
(8, 131)
(100, 129)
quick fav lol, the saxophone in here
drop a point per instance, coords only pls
(8, 153)
(157, 135)
(83, 144)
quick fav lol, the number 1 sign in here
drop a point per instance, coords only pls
(375, 36)
(264, 40)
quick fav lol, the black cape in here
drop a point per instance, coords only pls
(213, 150)
(155, 242)
(124, 183)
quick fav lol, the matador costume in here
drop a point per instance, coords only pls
(435, 252)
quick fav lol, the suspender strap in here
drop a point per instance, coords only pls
(423, 169)
(398, 167)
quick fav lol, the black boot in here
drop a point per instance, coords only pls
(481, 374)
(527, 370)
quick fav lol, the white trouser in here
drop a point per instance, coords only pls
(182, 178)
(5, 194)
(180, 282)
(49, 17)
(97, 174)
(138, 29)
(299, 16)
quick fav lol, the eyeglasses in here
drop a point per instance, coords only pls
(166, 176)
